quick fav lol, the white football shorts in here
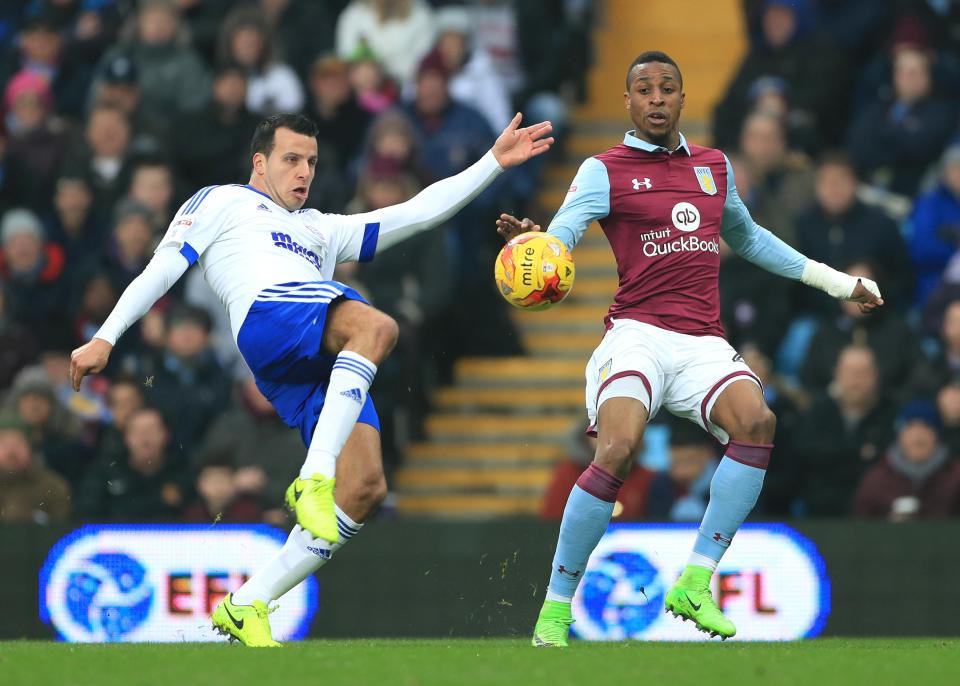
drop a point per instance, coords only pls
(682, 373)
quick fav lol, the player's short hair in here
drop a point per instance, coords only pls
(653, 56)
(265, 133)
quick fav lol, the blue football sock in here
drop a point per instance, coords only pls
(585, 519)
(734, 491)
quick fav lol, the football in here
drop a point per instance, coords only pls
(534, 271)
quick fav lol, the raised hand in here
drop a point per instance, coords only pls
(510, 227)
(867, 298)
(516, 146)
(89, 358)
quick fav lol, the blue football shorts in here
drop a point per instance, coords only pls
(281, 341)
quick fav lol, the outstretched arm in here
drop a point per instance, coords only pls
(587, 200)
(756, 244)
(164, 269)
(440, 201)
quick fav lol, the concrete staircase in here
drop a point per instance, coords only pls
(494, 435)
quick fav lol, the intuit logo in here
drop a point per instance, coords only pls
(283, 240)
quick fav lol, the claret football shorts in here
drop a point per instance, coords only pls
(683, 374)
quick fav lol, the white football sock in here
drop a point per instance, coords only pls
(346, 394)
(300, 556)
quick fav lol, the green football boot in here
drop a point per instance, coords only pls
(690, 598)
(246, 623)
(553, 625)
(311, 500)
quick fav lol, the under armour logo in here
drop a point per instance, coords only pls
(353, 393)
(721, 539)
(645, 183)
(563, 570)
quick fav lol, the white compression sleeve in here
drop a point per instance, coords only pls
(436, 203)
(164, 269)
(835, 283)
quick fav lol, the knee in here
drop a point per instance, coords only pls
(616, 454)
(385, 331)
(758, 426)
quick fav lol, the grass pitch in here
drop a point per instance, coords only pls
(387, 662)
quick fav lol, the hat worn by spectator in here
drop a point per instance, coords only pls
(33, 380)
(26, 81)
(121, 71)
(11, 422)
(128, 207)
(20, 221)
(919, 410)
(433, 63)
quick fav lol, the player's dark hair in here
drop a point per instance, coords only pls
(265, 133)
(653, 56)
(836, 158)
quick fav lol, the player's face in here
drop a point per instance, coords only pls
(286, 174)
(654, 101)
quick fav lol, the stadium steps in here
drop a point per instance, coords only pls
(494, 434)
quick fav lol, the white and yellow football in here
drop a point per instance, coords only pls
(534, 271)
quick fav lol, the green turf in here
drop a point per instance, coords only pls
(908, 662)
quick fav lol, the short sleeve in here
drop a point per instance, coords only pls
(196, 224)
(587, 200)
(353, 237)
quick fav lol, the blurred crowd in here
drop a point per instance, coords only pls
(115, 111)
(842, 124)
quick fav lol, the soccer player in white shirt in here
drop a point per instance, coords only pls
(313, 344)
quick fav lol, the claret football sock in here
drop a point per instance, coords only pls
(585, 519)
(347, 390)
(734, 491)
(300, 556)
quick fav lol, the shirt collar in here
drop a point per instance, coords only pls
(630, 139)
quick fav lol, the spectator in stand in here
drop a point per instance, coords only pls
(885, 331)
(185, 381)
(29, 492)
(18, 345)
(813, 68)
(908, 33)
(392, 143)
(918, 478)
(631, 505)
(473, 78)
(252, 439)
(342, 122)
(842, 434)
(398, 33)
(948, 407)
(376, 92)
(893, 141)
(142, 483)
(32, 269)
(935, 226)
(130, 244)
(103, 156)
(73, 225)
(681, 493)
(219, 499)
(117, 86)
(37, 143)
(217, 151)
(839, 229)
(247, 42)
(96, 302)
(124, 398)
(44, 53)
(943, 365)
(171, 76)
(304, 28)
(782, 182)
(152, 185)
(53, 432)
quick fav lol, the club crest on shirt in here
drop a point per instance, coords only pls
(604, 370)
(705, 179)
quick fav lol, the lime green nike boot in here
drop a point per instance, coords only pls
(690, 598)
(246, 623)
(311, 500)
(553, 625)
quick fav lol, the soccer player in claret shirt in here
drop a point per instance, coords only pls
(313, 344)
(664, 204)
